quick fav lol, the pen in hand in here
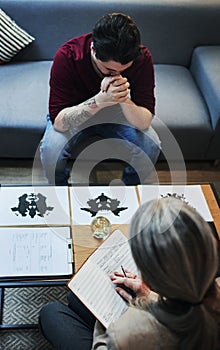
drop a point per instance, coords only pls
(127, 289)
(124, 273)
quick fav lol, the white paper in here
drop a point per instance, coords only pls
(113, 253)
(34, 205)
(92, 283)
(191, 194)
(95, 289)
(34, 252)
(117, 203)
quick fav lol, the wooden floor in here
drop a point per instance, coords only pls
(191, 173)
(23, 172)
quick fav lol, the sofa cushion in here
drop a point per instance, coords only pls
(170, 28)
(13, 38)
(205, 67)
(24, 92)
(180, 105)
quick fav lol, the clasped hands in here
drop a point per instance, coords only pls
(132, 282)
(114, 89)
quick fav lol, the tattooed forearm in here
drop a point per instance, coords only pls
(75, 118)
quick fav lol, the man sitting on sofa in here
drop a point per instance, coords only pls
(102, 84)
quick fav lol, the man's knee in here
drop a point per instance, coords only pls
(153, 137)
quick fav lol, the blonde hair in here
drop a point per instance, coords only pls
(176, 254)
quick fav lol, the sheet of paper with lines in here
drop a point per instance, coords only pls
(92, 284)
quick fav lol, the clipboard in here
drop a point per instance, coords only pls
(35, 253)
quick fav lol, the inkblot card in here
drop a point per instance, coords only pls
(190, 194)
(34, 205)
(116, 203)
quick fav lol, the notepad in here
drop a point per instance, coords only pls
(35, 252)
(92, 283)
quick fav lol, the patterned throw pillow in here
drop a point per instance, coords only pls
(12, 38)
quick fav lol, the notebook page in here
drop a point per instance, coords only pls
(92, 283)
(95, 289)
(113, 253)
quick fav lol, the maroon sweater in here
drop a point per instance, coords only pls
(73, 79)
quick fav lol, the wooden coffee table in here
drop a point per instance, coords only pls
(85, 244)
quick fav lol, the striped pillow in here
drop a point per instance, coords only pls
(12, 38)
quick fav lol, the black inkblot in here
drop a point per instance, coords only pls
(102, 203)
(175, 195)
(32, 205)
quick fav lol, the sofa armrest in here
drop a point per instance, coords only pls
(205, 68)
(214, 145)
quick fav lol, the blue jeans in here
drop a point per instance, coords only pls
(117, 139)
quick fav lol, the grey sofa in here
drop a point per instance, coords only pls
(184, 39)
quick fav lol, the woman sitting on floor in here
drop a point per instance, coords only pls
(176, 254)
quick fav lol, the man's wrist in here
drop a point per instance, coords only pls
(99, 98)
(91, 103)
(103, 100)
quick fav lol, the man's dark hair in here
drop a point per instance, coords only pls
(117, 38)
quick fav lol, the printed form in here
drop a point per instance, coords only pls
(35, 252)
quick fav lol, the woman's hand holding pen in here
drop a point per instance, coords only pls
(131, 281)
